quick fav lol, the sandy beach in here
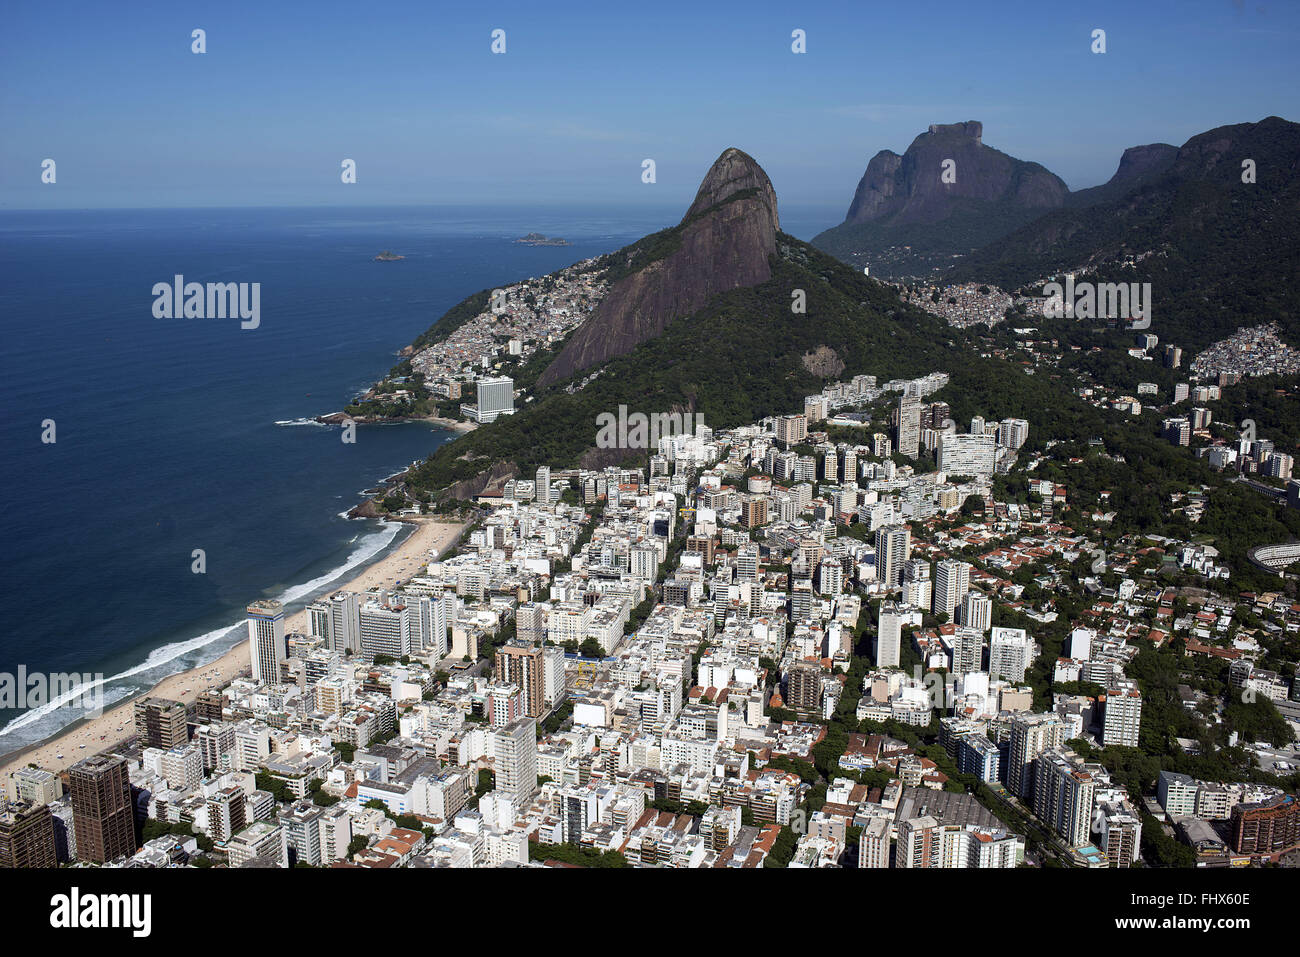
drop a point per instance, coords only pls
(431, 538)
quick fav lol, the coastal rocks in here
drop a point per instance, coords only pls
(723, 242)
(367, 509)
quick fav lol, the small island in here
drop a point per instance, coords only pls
(537, 239)
(388, 257)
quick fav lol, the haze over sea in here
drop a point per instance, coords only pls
(166, 428)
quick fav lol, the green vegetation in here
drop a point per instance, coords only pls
(318, 796)
(278, 788)
(551, 724)
(740, 358)
(576, 856)
(1221, 244)
(152, 829)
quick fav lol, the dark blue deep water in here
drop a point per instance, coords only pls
(166, 428)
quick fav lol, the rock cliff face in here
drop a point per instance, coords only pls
(723, 242)
(908, 218)
(910, 188)
(1138, 161)
(1184, 219)
(1138, 165)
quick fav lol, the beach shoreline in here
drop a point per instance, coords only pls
(89, 736)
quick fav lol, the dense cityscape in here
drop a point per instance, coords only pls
(824, 639)
(475, 444)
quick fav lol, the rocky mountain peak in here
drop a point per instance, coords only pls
(970, 130)
(735, 171)
(910, 189)
(723, 242)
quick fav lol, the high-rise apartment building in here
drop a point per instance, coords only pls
(432, 612)
(505, 703)
(830, 576)
(891, 623)
(979, 756)
(161, 723)
(1121, 715)
(801, 602)
(1266, 827)
(182, 767)
(386, 629)
(908, 435)
(554, 682)
(27, 835)
(1176, 793)
(103, 812)
(643, 561)
(1117, 829)
(916, 582)
(791, 429)
(804, 686)
(893, 548)
(747, 563)
(345, 623)
(520, 663)
(303, 831)
(753, 511)
(516, 760)
(1063, 794)
(531, 620)
(951, 583)
(975, 611)
(967, 651)
(1031, 735)
(35, 786)
(215, 741)
(815, 408)
(926, 842)
(1010, 652)
(873, 845)
(227, 813)
(974, 455)
(266, 647)
(496, 397)
(1012, 433)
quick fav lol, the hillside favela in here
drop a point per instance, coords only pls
(750, 470)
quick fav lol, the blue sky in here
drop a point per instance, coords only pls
(585, 92)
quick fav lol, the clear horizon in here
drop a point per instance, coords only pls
(581, 96)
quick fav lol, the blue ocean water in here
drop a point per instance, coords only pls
(166, 435)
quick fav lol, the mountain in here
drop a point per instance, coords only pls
(1138, 165)
(1219, 253)
(733, 351)
(723, 242)
(906, 220)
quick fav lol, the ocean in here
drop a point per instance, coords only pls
(165, 430)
